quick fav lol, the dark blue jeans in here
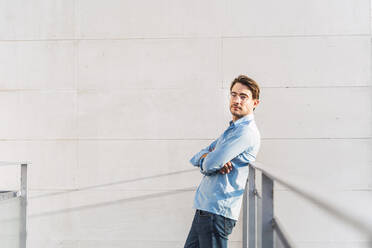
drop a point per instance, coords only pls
(209, 230)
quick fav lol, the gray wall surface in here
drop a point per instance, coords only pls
(109, 100)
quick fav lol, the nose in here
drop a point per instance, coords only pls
(236, 99)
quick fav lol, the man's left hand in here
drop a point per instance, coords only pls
(227, 168)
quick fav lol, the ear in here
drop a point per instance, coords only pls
(256, 102)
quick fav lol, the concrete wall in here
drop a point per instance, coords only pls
(109, 99)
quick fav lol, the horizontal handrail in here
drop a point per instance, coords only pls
(7, 163)
(5, 195)
(317, 197)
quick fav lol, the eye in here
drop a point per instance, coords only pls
(243, 97)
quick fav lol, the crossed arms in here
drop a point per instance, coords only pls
(226, 168)
(217, 158)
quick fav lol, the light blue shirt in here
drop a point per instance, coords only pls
(222, 194)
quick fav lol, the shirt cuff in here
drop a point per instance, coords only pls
(201, 163)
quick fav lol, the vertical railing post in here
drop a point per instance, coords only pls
(267, 212)
(252, 207)
(23, 209)
(245, 216)
(249, 211)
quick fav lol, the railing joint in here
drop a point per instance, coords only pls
(273, 223)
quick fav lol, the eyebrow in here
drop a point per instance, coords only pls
(240, 93)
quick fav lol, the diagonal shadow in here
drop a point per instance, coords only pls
(105, 204)
(112, 183)
(120, 201)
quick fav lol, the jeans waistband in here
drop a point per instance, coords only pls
(202, 212)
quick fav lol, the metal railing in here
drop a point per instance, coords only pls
(20, 194)
(259, 221)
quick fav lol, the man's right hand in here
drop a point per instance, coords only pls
(205, 154)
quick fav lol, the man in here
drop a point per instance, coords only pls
(218, 198)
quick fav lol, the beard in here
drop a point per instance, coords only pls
(235, 112)
(238, 116)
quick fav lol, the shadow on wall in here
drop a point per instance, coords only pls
(120, 201)
(108, 203)
(113, 183)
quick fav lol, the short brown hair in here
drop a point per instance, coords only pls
(250, 83)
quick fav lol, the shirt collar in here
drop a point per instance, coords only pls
(242, 120)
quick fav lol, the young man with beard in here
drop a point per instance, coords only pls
(223, 163)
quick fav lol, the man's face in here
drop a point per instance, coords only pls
(241, 102)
